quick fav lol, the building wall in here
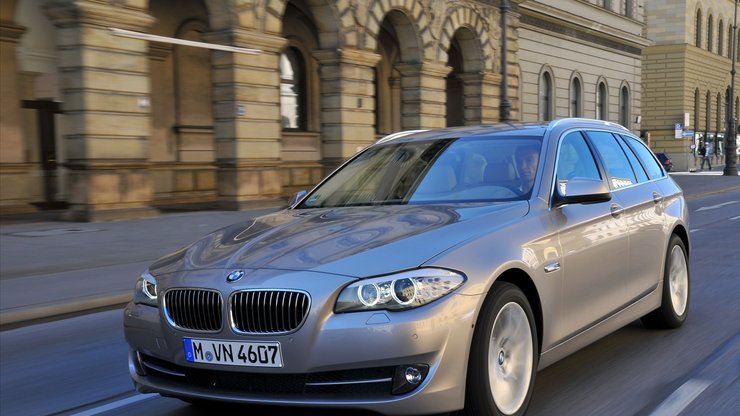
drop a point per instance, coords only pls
(596, 45)
(675, 69)
(151, 123)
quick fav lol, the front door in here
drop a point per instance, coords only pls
(594, 243)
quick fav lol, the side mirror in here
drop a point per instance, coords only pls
(582, 191)
(296, 198)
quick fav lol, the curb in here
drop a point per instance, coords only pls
(14, 317)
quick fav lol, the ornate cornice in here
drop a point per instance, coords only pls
(347, 56)
(71, 13)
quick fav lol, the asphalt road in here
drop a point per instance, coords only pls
(77, 366)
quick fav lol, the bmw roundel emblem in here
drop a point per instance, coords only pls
(234, 276)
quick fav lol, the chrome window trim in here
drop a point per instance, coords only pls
(599, 164)
(165, 311)
(232, 323)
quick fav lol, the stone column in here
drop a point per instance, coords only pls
(482, 93)
(246, 92)
(14, 171)
(423, 95)
(347, 103)
(106, 125)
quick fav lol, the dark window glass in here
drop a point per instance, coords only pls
(615, 161)
(646, 157)
(575, 98)
(574, 161)
(292, 90)
(636, 165)
(546, 97)
(601, 102)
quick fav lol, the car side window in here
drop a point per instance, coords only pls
(636, 165)
(646, 157)
(575, 160)
(615, 161)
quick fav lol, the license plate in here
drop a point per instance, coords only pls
(248, 354)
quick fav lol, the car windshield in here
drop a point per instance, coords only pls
(490, 169)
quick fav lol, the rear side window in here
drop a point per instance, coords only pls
(636, 166)
(646, 157)
(615, 161)
(574, 161)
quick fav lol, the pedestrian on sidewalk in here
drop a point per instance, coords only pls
(705, 153)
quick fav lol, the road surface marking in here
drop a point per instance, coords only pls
(735, 218)
(115, 405)
(716, 206)
(681, 398)
(694, 230)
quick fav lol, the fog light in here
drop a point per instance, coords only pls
(413, 376)
(408, 377)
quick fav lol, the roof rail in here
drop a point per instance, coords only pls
(398, 135)
(588, 120)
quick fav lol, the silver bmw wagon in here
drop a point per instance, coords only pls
(435, 271)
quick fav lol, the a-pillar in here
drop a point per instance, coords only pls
(347, 103)
(423, 95)
(107, 122)
(246, 92)
(482, 93)
(15, 173)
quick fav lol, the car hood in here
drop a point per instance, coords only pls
(350, 241)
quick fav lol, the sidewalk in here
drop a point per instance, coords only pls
(56, 268)
(50, 268)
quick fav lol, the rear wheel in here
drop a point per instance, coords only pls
(674, 306)
(504, 355)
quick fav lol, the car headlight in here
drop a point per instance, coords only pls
(146, 290)
(398, 291)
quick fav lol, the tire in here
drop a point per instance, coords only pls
(674, 306)
(504, 350)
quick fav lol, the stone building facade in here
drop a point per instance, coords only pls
(687, 72)
(112, 126)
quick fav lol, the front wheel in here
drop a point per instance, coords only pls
(674, 305)
(504, 355)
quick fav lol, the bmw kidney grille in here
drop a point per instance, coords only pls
(194, 309)
(268, 311)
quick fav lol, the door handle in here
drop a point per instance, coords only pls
(616, 210)
(657, 198)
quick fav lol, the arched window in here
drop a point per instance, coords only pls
(698, 29)
(624, 107)
(721, 38)
(628, 9)
(601, 102)
(719, 112)
(292, 90)
(710, 33)
(454, 86)
(546, 96)
(708, 121)
(696, 109)
(576, 108)
(729, 42)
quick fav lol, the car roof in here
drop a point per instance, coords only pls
(509, 129)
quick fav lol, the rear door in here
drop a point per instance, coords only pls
(641, 201)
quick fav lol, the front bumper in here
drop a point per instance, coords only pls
(332, 360)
